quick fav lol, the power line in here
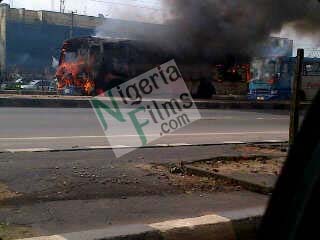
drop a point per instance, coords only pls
(72, 24)
(127, 5)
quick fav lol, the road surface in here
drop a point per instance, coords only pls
(57, 192)
(38, 128)
(82, 190)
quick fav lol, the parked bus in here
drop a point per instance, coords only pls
(272, 78)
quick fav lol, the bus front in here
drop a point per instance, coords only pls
(263, 81)
(73, 72)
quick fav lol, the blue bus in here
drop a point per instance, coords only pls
(272, 78)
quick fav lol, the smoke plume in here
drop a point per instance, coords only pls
(219, 28)
(222, 29)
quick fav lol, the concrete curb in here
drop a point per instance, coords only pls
(96, 148)
(246, 184)
(225, 226)
(55, 93)
(47, 93)
(56, 102)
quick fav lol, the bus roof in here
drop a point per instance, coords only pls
(293, 59)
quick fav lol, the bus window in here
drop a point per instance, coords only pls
(312, 69)
(70, 57)
(285, 68)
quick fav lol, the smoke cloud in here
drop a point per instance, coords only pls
(220, 30)
(307, 40)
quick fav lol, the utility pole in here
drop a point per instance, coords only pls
(295, 101)
(72, 24)
(62, 6)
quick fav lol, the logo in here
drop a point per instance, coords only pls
(146, 108)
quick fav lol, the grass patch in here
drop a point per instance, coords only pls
(9, 232)
(6, 193)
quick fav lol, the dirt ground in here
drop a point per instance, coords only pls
(259, 165)
(260, 149)
(176, 177)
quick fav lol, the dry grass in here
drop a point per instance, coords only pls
(8, 232)
(5, 192)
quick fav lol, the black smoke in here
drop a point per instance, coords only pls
(219, 29)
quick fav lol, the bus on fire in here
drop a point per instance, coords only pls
(90, 66)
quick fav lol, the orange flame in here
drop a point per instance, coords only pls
(76, 74)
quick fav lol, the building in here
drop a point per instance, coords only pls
(30, 39)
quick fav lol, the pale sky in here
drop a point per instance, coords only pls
(141, 10)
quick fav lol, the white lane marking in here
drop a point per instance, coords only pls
(279, 118)
(98, 147)
(150, 135)
(29, 150)
(273, 141)
(48, 138)
(122, 146)
(233, 142)
(162, 145)
(109, 147)
(179, 144)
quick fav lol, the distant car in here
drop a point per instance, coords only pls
(11, 86)
(20, 80)
(53, 85)
(45, 85)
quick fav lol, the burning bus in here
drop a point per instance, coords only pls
(91, 66)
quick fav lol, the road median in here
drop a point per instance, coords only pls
(41, 101)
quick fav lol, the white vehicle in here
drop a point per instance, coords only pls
(43, 85)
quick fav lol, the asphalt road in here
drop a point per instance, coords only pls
(82, 190)
(38, 128)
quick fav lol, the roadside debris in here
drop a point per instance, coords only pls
(176, 168)
(176, 176)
